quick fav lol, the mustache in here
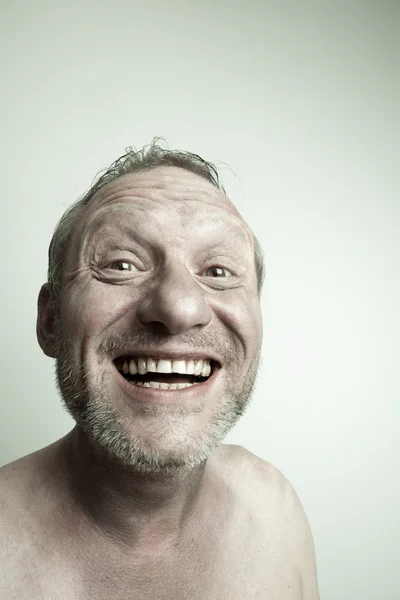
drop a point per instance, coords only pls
(225, 347)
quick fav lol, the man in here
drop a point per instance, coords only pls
(152, 313)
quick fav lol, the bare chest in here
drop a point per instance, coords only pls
(198, 577)
(236, 550)
(241, 561)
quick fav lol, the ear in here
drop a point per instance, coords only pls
(45, 321)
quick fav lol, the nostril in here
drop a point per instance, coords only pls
(157, 328)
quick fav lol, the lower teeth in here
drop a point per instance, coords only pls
(163, 386)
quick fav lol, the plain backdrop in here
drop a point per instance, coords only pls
(299, 106)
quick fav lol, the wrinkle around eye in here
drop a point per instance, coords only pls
(106, 274)
(220, 283)
(72, 274)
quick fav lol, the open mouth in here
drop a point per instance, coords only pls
(163, 373)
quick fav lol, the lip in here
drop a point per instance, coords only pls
(157, 396)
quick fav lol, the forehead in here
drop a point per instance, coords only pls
(161, 192)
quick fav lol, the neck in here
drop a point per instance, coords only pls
(125, 505)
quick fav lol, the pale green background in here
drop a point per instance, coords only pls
(302, 101)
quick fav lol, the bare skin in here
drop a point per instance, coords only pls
(247, 537)
(82, 521)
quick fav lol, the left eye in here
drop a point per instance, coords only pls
(121, 265)
(216, 272)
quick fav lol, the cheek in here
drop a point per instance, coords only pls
(252, 324)
(241, 312)
(257, 322)
(92, 308)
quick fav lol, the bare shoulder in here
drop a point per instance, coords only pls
(20, 483)
(276, 507)
(15, 488)
(23, 494)
(255, 485)
(19, 477)
(252, 472)
(21, 502)
(13, 483)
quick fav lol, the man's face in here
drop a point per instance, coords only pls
(160, 267)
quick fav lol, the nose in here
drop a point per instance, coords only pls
(174, 302)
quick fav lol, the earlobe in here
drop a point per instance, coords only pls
(45, 321)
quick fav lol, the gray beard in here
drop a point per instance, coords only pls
(95, 413)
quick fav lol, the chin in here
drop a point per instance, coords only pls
(164, 445)
(153, 437)
(151, 455)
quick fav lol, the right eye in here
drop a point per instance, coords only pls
(122, 265)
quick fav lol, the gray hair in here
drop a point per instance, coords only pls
(149, 157)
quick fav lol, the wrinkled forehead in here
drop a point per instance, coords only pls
(172, 183)
(159, 189)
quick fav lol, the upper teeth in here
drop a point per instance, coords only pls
(150, 365)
